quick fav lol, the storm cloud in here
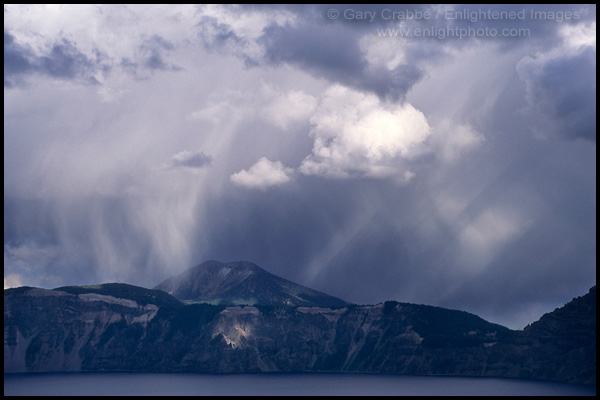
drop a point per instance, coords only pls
(445, 170)
(61, 60)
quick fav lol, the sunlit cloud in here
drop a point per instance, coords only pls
(263, 174)
(355, 135)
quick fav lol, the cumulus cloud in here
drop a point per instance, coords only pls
(285, 108)
(263, 174)
(356, 135)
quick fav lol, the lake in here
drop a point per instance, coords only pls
(148, 384)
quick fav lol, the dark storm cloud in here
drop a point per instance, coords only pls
(564, 89)
(315, 48)
(26, 219)
(329, 47)
(546, 192)
(524, 239)
(541, 22)
(497, 220)
(367, 241)
(17, 60)
(332, 52)
(51, 243)
(279, 229)
(63, 61)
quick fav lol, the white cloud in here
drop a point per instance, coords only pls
(284, 108)
(579, 35)
(355, 135)
(263, 174)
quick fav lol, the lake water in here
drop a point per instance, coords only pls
(148, 384)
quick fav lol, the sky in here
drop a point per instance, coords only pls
(432, 154)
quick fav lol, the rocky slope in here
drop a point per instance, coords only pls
(112, 328)
(561, 345)
(242, 283)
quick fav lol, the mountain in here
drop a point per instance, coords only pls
(106, 328)
(242, 283)
(561, 345)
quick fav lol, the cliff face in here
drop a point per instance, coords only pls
(58, 331)
(47, 330)
(561, 345)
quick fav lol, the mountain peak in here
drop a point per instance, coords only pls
(242, 283)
